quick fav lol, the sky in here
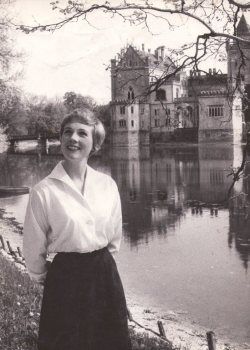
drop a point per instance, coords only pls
(76, 57)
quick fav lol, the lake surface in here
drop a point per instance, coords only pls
(185, 248)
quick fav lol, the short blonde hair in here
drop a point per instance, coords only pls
(87, 117)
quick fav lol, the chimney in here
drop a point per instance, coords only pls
(113, 63)
(156, 54)
(214, 71)
(143, 47)
(149, 50)
(162, 52)
(210, 71)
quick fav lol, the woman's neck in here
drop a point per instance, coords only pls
(75, 170)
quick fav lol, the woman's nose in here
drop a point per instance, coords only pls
(74, 136)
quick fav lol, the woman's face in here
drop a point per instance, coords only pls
(76, 141)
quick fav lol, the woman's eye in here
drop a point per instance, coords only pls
(82, 133)
(67, 132)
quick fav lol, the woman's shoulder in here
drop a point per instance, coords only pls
(101, 176)
(42, 185)
(46, 182)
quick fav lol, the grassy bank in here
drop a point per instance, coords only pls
(20, 301)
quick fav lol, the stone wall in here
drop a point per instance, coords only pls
(215, 135)
(125, 138)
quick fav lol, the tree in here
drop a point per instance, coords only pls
(103, 113)
(10, 96)
(73, 100)
(43, 115)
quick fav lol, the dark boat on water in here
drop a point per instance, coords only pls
(6, 191)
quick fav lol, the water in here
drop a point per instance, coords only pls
(184, 249)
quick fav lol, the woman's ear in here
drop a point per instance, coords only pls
(96, 148)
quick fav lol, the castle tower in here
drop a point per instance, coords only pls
(135, 112)
(238, 56)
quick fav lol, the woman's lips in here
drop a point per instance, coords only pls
(73, 148)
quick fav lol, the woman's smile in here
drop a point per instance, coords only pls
(73, 148)
(77, 141)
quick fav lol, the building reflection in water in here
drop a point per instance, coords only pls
(157, 186)
(239, 231)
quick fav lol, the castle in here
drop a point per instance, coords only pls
(190, 107)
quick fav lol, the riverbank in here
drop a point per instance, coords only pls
(20, 306)
(20, 303)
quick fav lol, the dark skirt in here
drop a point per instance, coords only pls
(83, 305)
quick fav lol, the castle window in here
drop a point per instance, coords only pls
(132, 123)
(122, 109)
(216, 111)
(142, 110)
(216, 177)
(122, 123)
(131, 94)
(177, 93)
(156, 111)
(157, 122)
(167, 111)
(132, 109)
(161, 95)
(190, 111)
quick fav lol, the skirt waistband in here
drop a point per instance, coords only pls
(78, 254)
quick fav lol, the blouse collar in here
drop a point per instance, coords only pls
(59, 173)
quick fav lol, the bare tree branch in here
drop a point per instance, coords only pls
(240, 4)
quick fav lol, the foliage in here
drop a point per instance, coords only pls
(144, 341)
(103, 113)
(73, 100)
(43, 115)
(3, 139)
(12, 114)
(10, 98)
(8, 55)
(19, 308)
(40, 115)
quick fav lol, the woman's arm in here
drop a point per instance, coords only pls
(35, 237)
(116, 217)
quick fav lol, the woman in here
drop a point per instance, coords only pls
(76, 212)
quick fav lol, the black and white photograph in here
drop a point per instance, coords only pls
(124, 175)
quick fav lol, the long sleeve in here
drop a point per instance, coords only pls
(116, 216)
(35, 238)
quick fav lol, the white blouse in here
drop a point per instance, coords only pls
(60, 219)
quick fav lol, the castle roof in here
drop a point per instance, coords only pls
(158, 59)
(154, 60)
(243, 27)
